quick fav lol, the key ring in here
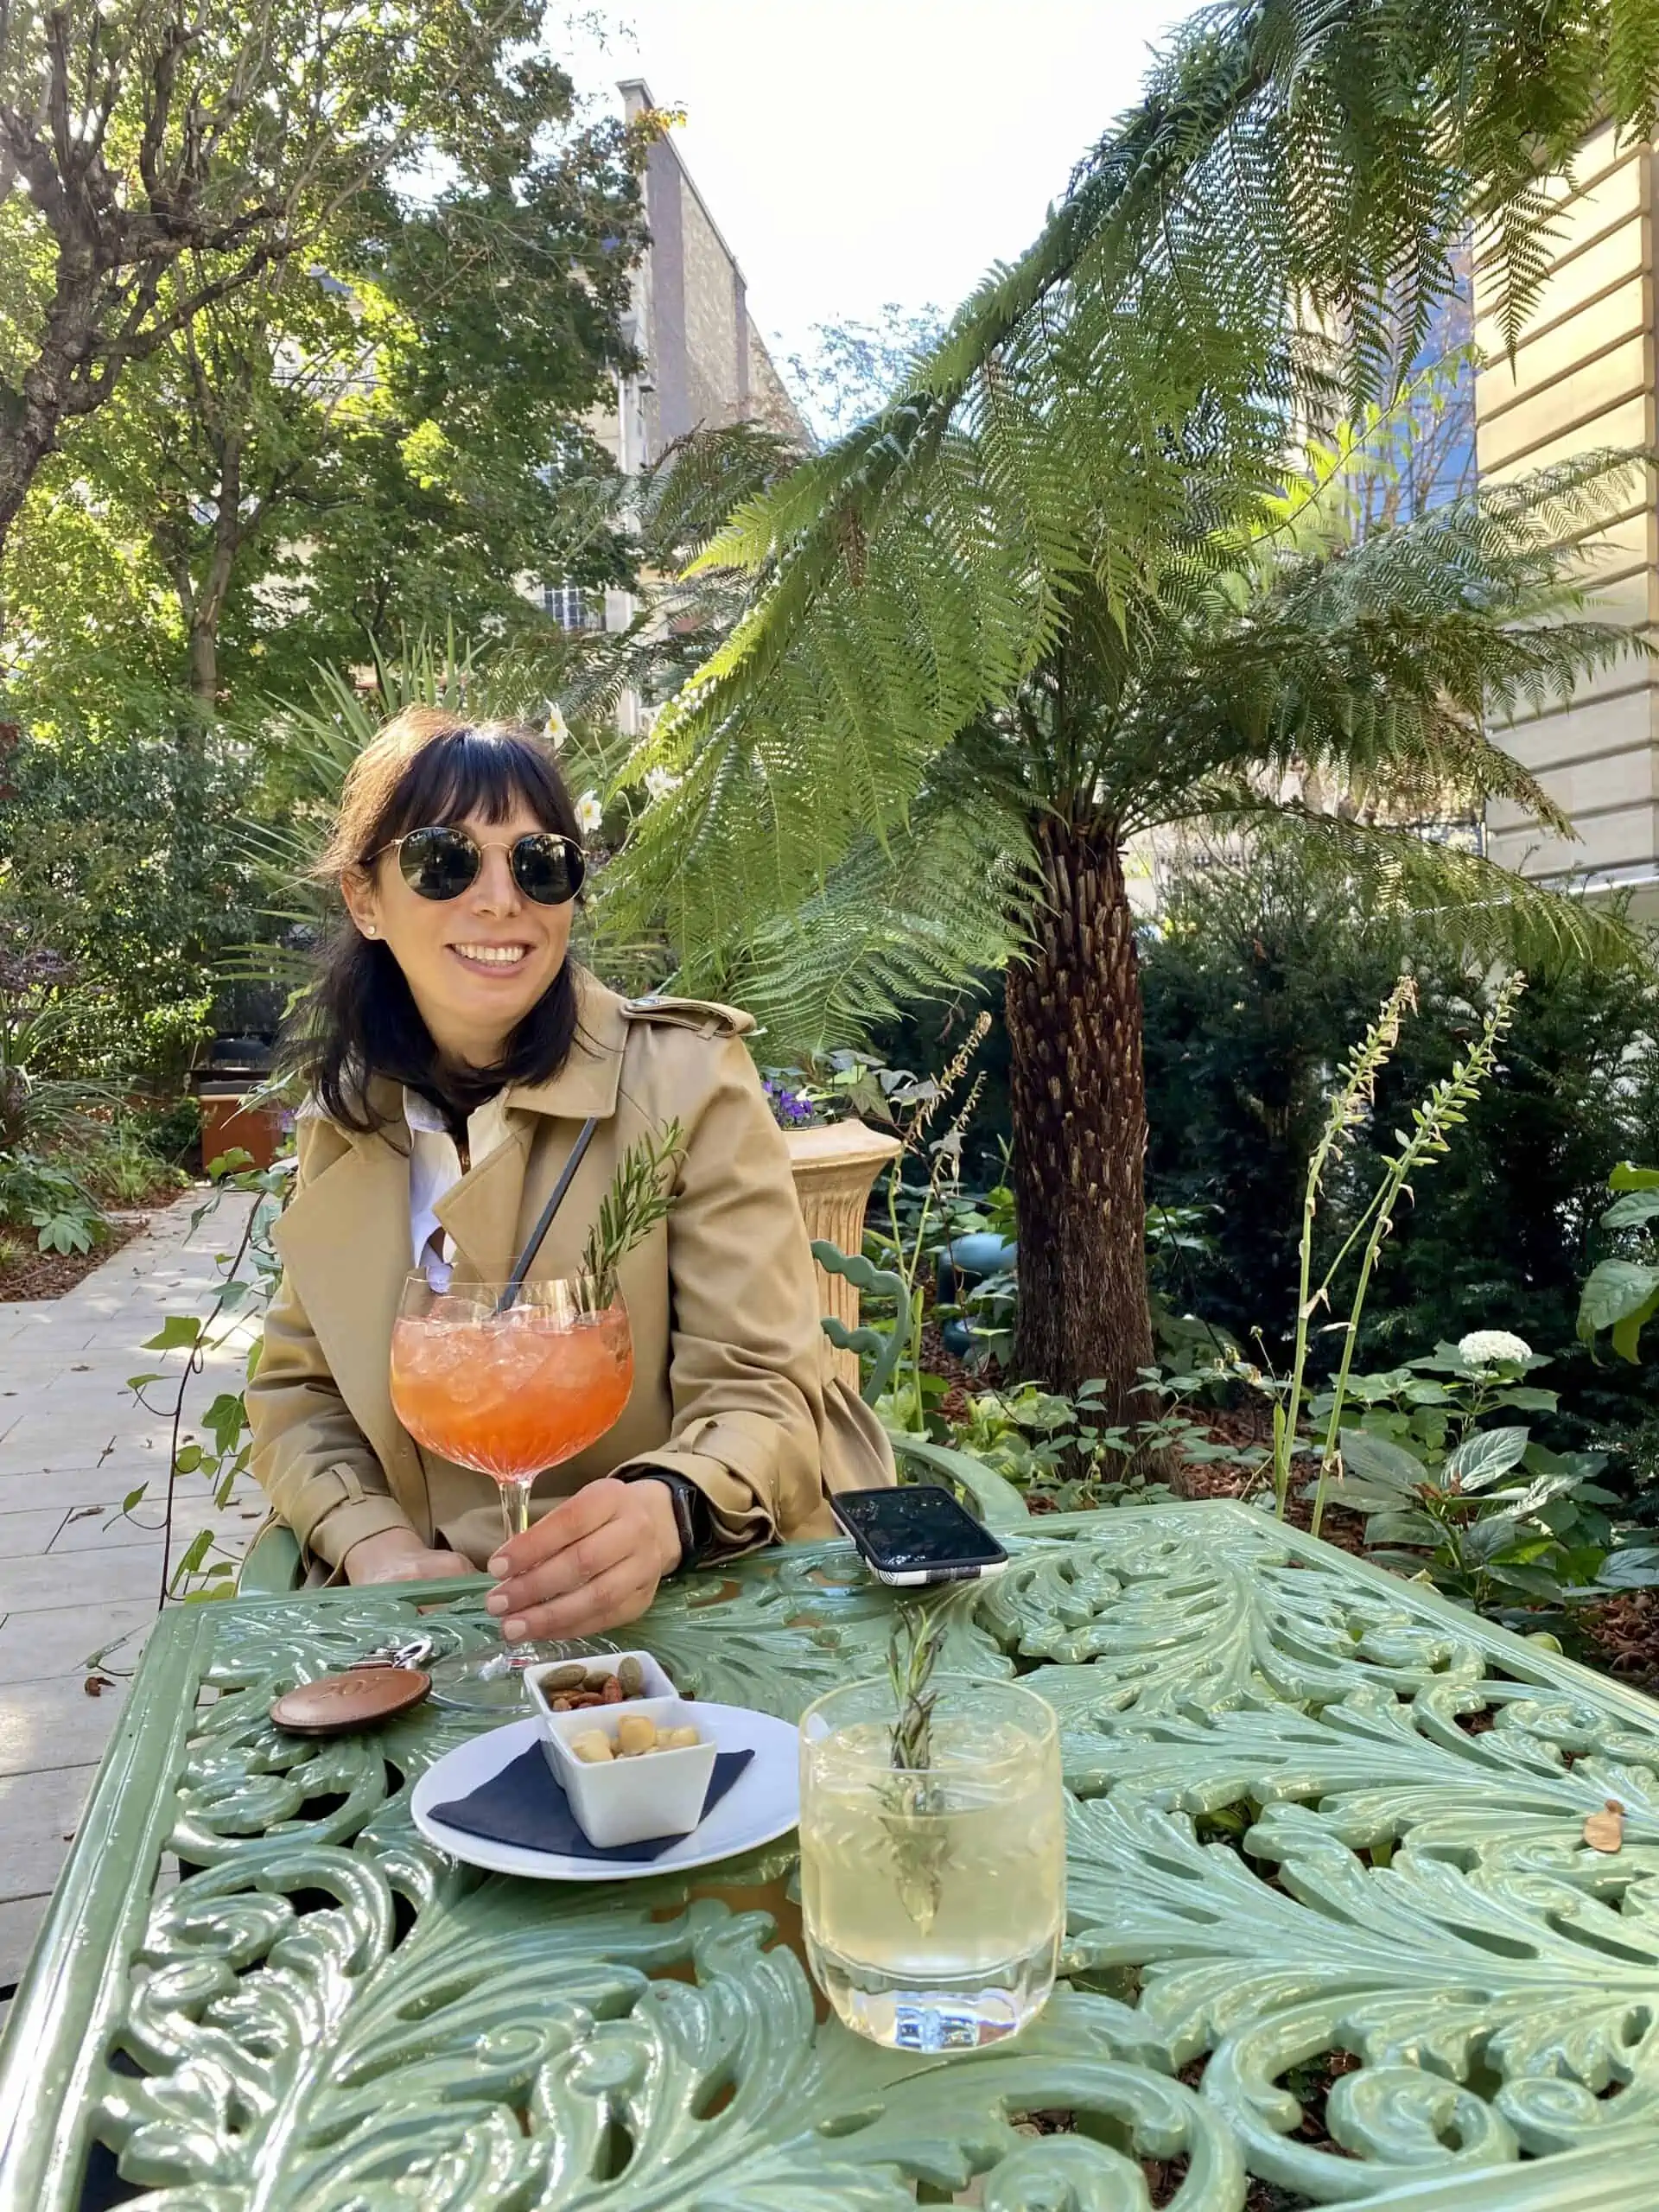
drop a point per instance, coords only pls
(413, 1651)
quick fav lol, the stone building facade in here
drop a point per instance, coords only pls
(705, 363)
(1585, 377)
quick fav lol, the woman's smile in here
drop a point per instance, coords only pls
(491, 956)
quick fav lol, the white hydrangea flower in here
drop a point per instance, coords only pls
(1491, 1347)
(589, 813)
(660, 781)
(555, 729)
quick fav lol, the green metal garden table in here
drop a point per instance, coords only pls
(1321, 1820)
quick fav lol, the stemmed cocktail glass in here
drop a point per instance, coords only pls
(507, 1390)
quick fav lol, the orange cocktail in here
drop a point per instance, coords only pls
(508, 1393)
(513, 1393)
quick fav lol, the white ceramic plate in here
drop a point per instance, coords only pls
(765, 1800)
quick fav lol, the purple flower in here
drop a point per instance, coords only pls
(791, 1108)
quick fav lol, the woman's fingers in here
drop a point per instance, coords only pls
(583, 1560)
(568, 1522)
(622, 1594)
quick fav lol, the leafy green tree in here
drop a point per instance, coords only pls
(350, 444)
(157, 158)
(119, 853)
(853, 368)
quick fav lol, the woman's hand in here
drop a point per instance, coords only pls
(590, 1564)
(398, 1555)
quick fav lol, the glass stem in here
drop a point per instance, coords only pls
(515, 1508)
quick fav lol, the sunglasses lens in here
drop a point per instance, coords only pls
(439, 863)
(547, 869)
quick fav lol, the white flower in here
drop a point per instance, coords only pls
(589, 813)
(1492, 1347)
(554, 729)
(660, 781)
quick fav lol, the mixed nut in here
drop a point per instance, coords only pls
(635, 1737)
(572, 1688)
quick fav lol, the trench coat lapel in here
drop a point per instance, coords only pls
(482, 1212)
(344, 1240)
(491, 1211)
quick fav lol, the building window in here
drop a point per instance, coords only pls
(568, 607)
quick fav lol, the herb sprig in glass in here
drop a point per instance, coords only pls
(919, 1848)
(641, 1194)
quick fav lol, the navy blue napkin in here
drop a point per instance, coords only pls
(524, 1805)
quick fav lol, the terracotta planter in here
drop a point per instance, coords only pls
(228, 1125)
(834, 1168)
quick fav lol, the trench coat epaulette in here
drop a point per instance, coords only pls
(706, 1016)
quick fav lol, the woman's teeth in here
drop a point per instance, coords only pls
(491, 956)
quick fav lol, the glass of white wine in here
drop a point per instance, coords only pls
(933, 1896)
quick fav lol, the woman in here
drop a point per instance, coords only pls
(453, 1051)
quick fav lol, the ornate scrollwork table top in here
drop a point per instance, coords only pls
(1334, 1935)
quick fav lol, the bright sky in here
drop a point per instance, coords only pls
(858, 151)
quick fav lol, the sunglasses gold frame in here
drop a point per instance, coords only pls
(480, 847)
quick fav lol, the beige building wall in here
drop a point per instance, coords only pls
(1585, 376)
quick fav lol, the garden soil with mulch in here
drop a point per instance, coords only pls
(55, 1275)
(1239, 1426)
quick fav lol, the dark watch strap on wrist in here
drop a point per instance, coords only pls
(692, 1517)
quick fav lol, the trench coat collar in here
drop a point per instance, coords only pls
(589, 1081)
(586, 1083)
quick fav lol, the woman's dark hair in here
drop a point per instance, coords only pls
(359, 1020)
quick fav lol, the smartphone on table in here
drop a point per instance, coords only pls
(917, 1534)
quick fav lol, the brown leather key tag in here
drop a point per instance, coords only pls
(336, 1705)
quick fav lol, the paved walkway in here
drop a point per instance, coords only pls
(73, 1571)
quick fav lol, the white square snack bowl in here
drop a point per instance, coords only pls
(659, 1793)
(656, 1681)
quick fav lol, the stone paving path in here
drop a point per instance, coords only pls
(73, 1571)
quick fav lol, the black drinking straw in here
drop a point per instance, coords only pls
(567, 1176)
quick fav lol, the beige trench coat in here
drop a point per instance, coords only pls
(731, 1384)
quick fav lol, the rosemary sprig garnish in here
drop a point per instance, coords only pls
(912, 1656)
(641, 1195)
(919, 1843)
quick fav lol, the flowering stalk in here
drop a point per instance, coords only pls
(1359, 1074)
(1441, 1111)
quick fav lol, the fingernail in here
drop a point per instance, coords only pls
(495, 1603)
(499, 1564)
(513, 1630)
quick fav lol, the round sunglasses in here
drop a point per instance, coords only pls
(441, 862)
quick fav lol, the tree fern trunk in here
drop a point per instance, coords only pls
(1080, 1105)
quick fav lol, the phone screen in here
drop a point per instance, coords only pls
(915, 1527)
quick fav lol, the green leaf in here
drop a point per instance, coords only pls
(134, 1497)
(1625, 1177)
(1632, 1211)
(189, 1459)
(1635, 1567)
(225, 1418)
(1626, 1335)
(1480, 1460)
(191, 1558)
(1615, 1289)
(178, 1331)
(1376, 1461)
